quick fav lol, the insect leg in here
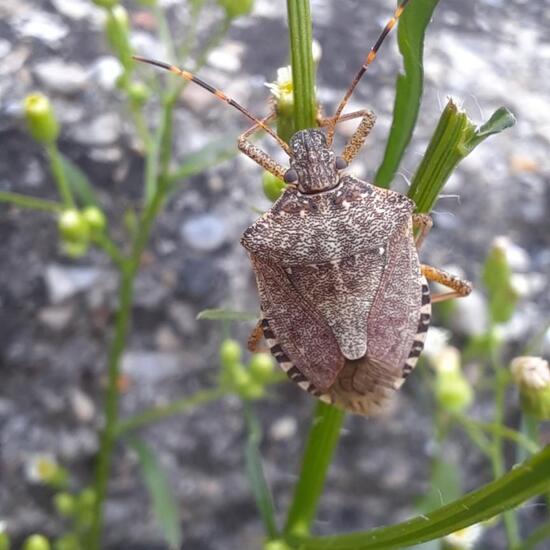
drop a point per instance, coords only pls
(460, 288)
(255, 338)
(328, 121)
(256, 154)
(422, 224)
(355, 142)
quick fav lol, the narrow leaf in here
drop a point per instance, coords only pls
(518, 485)
(33, 203)
(227, 315)
(410, 38)
(255, 472)
(163, 501)
(79, 183)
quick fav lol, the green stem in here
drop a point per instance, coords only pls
(323, 437)
(178, 406)
(24, 201)
(303, 68)
(496, 451)
(60, 177)
(108, 436)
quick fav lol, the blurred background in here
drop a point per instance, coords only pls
(56, 312)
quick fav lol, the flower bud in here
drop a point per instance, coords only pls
(273, 186)
(64, 504)
(236, 8)
(36, 542)
(68, 542)
(41, 121)
(95, 219)
(276, 545)
(139, 93)
(75, 250)
(532, 375)
(452, 389)
(117, 29)
(73, 226)
(261, 367)
(230, 353)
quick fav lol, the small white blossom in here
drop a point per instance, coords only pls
(464, 539)
(531, 372)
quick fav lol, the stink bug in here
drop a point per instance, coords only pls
(345, 302)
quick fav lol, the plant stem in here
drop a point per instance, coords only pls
(108, 436)
(303, 68)
(496, 450)
(56, 166)
(323, 437)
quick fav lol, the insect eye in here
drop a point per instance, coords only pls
(291, 176)
(341, 163)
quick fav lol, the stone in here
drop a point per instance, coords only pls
(206, 232)
(103, 130)
(43, 26)
(65, 282)
(82, 406)
(60, 77)
(105, 71)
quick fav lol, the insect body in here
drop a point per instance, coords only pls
(344, 298)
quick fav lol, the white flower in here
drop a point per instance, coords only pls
(531, 372)
(464, 539)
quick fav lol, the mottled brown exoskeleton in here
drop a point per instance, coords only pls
(345, 302)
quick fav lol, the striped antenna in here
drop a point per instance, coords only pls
(368, 60)
(218, 93)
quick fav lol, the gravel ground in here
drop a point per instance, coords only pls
(55, 314)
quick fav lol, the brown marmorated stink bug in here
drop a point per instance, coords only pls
(345, 302)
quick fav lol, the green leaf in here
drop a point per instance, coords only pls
(227, 315)
(211, 154)
(33, 203)
(518, 485)
(444, 486)
(254, 468)
(163, 501)
(79, 183)
(410, 38)
(455, 137)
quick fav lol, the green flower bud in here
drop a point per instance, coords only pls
(86, 499)
(76, 249)
(95, 219)
(4, 540)
(117, 31)
(236, 8)
(261, 367)
(276, 545)
(40, 118)
(73, 226)
(105, 3)
(36, 542)
(273, 186)
(139, 93)
(68, 542)
(64, 504)
(230, 353)
(452, 389)
(252, 390)
(532, 375)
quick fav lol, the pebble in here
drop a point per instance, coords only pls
(105, 72)
(206, 232)
(46, 27)
(82, 406)
(150, 366)
(65, 282)
(78, 10)
(283, 428)
(202, 281)
(58, 76)
(227, 58)
(470, 315)
(102, 130)
(56, 318)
